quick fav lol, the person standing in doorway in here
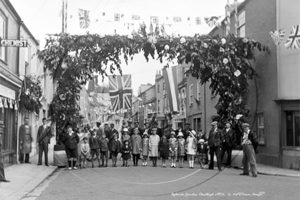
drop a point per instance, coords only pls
(2, 174)
(25, 140)
(214, 142)
(43, 139)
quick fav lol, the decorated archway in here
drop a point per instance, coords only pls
(224, 63)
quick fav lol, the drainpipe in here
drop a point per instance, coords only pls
(16, 155)
(205, 108)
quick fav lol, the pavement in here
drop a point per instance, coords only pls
(26, 177)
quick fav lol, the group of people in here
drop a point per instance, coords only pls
(135, 143)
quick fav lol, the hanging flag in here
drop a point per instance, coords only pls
(1, 102)
(5, 103)
(293, 41)
(154, 19)
(170, 76)
(120, 91)
(277, 36)
(9, 101)
(84, 19)
(156, 30)
(16, 105)
(212, 21)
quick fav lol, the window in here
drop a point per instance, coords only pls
(242, 20)
(117, 17)
(198, 90)
(293, 128)
(177, 19)
(3, 21)
(191, 94)
(158, 106)
(157, 87)
(154, 19)
(260, 128)
(198, 20)
(136, 17)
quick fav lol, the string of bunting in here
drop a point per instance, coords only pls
(8, 103)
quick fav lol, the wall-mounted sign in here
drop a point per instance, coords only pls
(13, 43)
(7, 92)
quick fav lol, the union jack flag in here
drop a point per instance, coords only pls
(277, 36)
(293, 41)
(84, 19)
(120, 91)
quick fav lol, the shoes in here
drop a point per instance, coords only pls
(105, 165)
(244, 174)
(5, 181)
(75, 168)
(47, 165)
(99, 166)
(39, 164)
(228, 166)
(254, 175)
(70, 168)
(92, 166)
(220, 169)
(28, 162)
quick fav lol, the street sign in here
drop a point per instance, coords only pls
(13, 43)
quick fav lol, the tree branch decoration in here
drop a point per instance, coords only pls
(72, 60)
(31, 95)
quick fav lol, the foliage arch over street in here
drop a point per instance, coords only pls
(222, 62)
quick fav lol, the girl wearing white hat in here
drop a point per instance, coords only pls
(180, 149)
(191, 148)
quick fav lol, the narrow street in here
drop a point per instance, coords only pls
(163, 183)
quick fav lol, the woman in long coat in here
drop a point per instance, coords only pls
(153, 146)
(25, 141)
(136, 142)
(163, 148)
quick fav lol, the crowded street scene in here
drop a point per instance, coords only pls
(148, 99)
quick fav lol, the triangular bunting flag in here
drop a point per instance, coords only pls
(5, 103)
(277, 36)
(1, 102)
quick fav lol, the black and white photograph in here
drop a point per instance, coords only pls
(149, 99)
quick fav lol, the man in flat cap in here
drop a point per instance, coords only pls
(214, 142)
(249, 142)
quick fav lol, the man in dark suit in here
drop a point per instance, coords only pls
(214, 142)
(136, 125)
(229, 141)
(186, 130)
(100, 130)
(43, 139)
(2, 175)
(249, 142)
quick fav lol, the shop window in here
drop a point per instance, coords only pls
(293, 128)
(198, 90)
(260, 128)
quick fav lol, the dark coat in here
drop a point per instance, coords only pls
(254, 140)
(186, 133)
(229, 137)
(71, 141)
(103, 144)
(115, 146)
(126, 152)
(44, 135)
(94, 142)
(163, 148)
(215, 139)
(113, 132)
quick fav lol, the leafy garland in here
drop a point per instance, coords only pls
(224, 62)
(31, 95)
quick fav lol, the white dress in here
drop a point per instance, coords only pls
(191, 147)
(153, 145)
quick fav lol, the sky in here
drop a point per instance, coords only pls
(43, 17)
